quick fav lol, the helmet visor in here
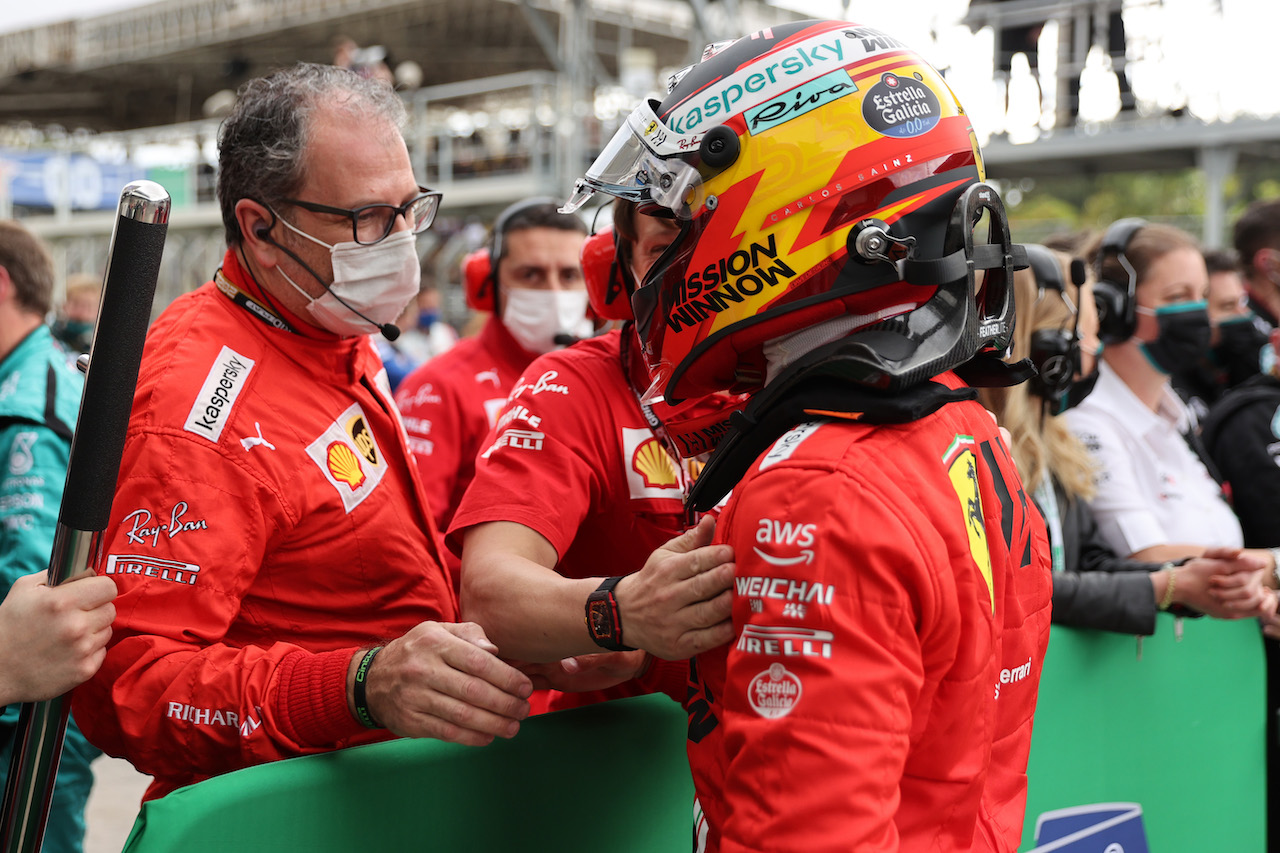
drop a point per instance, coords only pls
(641, 164)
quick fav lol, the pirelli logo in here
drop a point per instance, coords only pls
(173, 571)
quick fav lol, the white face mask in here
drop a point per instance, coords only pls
(375, 281)
(535, 317)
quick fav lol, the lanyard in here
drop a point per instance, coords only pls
(686, 469)
(248, 303)
(1047, 497)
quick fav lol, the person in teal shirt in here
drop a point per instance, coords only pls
(51, 638)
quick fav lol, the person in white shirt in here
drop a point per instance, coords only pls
(1155, 499)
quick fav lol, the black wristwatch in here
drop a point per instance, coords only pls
(603, 621)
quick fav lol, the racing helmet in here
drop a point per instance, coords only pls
(818, 169)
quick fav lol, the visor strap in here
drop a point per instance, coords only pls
(986, 256)
(935, 271)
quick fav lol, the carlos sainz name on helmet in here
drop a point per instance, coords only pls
(744, 273)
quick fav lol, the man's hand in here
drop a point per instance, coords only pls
(53, 638)
(586, 672)
(680, 603)
(444, 681)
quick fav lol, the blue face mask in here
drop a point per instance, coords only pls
(427, 318)
(1183, 339)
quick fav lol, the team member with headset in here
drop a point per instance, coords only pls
(1057, 325)
(1155, 499)
(281, 586)
(529, 278)
(582, 479)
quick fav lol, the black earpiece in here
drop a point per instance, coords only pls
(1054, 352)
(1116, 300)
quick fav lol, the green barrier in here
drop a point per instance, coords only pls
(607, 777)
(1180, 732)
(1174, 740)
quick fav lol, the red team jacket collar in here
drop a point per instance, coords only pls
(495, 339)
(327, 355)
(243, 279)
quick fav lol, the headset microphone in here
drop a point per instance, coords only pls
(564, 339)
(390, 331)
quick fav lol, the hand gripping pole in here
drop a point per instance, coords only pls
(133, 267)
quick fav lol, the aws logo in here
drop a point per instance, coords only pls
(787, 534)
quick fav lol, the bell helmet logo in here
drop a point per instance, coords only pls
(901, 107)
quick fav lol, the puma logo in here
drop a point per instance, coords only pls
(252, 442)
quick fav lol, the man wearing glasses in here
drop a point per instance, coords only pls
(268, 533)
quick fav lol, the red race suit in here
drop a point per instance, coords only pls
(449, 405)
(268, 522)
(573, 458)
(892, 614)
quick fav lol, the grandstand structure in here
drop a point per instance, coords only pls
(1161, 140)
(507, 98)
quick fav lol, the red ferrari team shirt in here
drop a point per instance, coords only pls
(449, 405)
(892, 613)
(573, 458)
(267, 523)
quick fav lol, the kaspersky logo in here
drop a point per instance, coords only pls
(763, 81)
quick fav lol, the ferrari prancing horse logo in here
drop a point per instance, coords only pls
(962, 468)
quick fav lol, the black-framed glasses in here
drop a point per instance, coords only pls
(371, 223)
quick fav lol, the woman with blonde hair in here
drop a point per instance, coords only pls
(1093, 587)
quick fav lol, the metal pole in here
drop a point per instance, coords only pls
(133, 267)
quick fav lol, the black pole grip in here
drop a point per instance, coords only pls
(133, 267)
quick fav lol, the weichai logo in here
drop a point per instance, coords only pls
(730, 280)
(760, 82)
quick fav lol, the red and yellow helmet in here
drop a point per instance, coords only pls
(816, 169)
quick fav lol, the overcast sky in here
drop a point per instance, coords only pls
(1179, 46)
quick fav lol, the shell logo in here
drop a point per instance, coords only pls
(345, 466)
(652, 462)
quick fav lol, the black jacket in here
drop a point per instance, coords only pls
(1242, 435)
(1099, 589)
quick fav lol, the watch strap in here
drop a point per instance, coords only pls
(604, 622)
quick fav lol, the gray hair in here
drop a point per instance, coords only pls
(262, 143)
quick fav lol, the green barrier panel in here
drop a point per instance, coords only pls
(607, 777)
(1179, 732)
